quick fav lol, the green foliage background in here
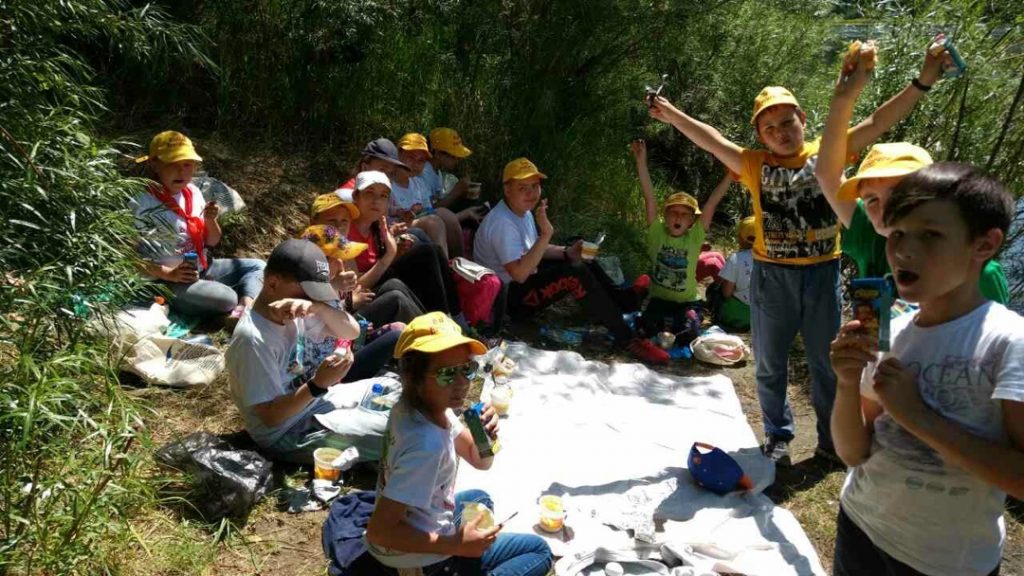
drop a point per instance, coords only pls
(557, 80)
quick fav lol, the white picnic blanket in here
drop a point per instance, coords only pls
(615, 439)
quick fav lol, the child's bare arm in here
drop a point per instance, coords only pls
(998, 464)
(900, 105)
(701, 134)
(639, 149)
(728, 288)
(832, 153)
(707, 213)
(852, 414)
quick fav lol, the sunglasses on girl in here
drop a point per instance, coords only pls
(445, 376)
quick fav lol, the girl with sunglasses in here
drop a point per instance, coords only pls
(416, 523)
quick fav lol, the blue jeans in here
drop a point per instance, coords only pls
(786, 300)
(510, 555)
(219, 288)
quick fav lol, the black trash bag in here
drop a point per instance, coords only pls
(228, 481)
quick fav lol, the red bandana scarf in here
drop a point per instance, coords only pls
(195, 224)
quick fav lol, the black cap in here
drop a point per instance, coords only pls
(385, 150)
(307, 263)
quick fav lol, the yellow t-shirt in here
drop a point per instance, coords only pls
(794, 221)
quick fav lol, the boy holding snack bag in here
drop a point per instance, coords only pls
(796, 279)
(934, 434)
(859, 201)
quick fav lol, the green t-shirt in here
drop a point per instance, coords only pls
(867, 248)
(674, 262)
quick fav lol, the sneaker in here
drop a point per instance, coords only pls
(777, 450)
(647, 351)
(829, 455)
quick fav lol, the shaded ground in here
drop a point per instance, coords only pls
(169, 541)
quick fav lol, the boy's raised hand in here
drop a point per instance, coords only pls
(390, 246)
(540, 214)
(936, 59)
(661, 109)
(856, 71)
(639, 149)
(290, 308)
(850, 352)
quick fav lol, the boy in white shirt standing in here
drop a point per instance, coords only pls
(935, 433)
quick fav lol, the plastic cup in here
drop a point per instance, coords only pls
(590, 250)
(322, 469)
(472, 510)
(473, 191)
(552, 513)
(500, 398)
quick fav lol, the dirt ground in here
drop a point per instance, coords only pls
(171, 541)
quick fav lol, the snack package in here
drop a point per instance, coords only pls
(860, 53)
(958, 67)
(872, 301)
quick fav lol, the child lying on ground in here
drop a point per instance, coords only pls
(673, 245)
(935, 433)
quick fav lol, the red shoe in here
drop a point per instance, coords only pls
(642, 284)
(647, 351)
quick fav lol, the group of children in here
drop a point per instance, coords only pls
(932, 429)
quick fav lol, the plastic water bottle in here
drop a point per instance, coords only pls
(561, 336)
(374, 399)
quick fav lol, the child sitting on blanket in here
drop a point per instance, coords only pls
(674, 248)
(417, 522)
(729, 298)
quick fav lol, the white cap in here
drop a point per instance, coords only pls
(365, 179)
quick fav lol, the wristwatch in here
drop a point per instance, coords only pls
(315, 390)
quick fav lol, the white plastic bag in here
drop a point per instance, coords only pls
(170, 361)
(720, 349)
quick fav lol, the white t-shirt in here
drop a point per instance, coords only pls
(261, 362)
(403, 198)
(503, 237)
(431, 180)
(163, 234)
(918, 508)
(418, 469)
(737, 269)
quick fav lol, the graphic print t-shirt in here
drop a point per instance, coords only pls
(915, 506)
(674, 262)
(795, 223)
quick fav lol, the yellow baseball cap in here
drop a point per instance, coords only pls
(325, 202)
(771, 96)
(414, 141)
(520, 169)
(448, 141)
(747, 230)
(887, 160)
(434, 332)
(333, 243)
(170, 147)
(682, 199)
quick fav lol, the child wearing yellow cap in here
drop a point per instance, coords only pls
(417, 523)
(411, 200)
(673, 246)
(174, 220)
(860, 201)
(729, 298)
(797, 247)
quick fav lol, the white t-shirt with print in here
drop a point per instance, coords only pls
(503, 237)
(916, 507)
(261, 363)
(404, 197)
(418, 469)
(737, 269)
(163, 234)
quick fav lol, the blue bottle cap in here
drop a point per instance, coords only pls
(378, 389)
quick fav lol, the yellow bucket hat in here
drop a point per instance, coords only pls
(448, 141)
(520, 169)
(747, 230)
(434, 332)
(333, 243)
(886, 161)
(170, 147)
(682, 199)
(771, 96)
(325, 202)
(414, 141)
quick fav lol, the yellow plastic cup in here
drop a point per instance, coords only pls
(590, 250)
(322, 469)
(552, 513)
